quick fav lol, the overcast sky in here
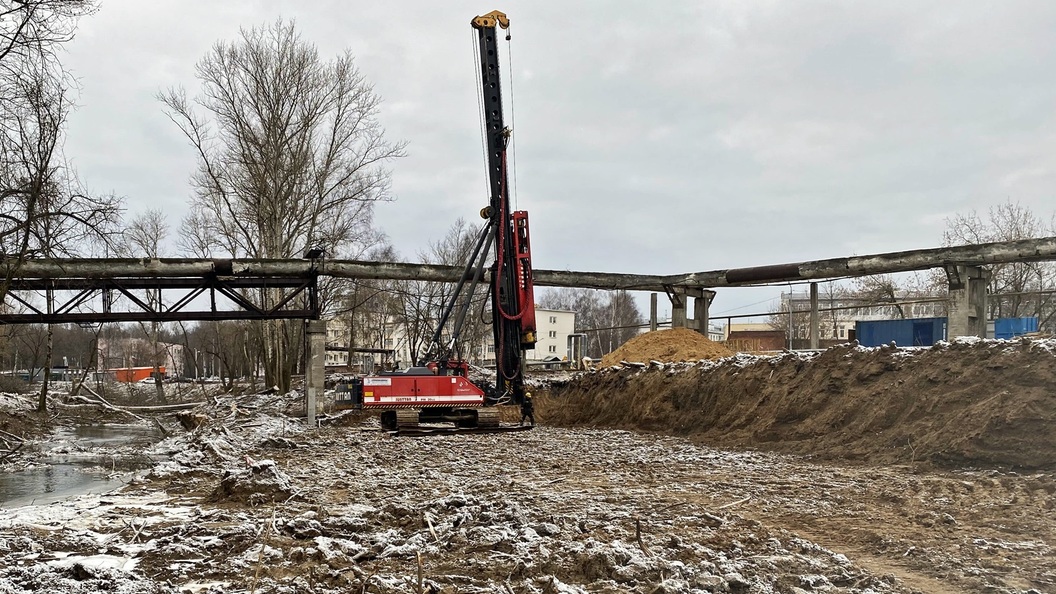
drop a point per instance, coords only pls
(652, 138)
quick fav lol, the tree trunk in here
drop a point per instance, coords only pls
(42, 402)
(159, 388)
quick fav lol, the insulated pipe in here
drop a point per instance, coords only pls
(988, 253)
(1025, 250)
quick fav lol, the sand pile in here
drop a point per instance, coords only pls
(676, 344)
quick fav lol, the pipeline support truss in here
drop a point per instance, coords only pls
(156, 299)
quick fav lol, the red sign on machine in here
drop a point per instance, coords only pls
(418, 391)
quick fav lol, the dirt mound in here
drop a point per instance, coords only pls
(966, 403)
(676, 344)
(262, 482)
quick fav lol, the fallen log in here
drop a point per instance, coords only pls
(164, 407)
(106, 405)
(5, 454)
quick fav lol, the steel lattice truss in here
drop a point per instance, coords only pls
(156, 299)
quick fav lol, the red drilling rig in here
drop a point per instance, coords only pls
(438, 389)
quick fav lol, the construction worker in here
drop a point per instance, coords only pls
(527, 409)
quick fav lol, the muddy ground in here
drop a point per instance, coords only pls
(252, 501)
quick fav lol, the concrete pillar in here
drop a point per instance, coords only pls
(967, 301)
(702, 309)
(314, 373)
(652, 312)
(815, 322)
(678, 307)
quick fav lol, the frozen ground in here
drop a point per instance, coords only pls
(251, 502)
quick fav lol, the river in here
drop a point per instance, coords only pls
(78, 459)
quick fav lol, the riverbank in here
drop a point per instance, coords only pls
(250, 500)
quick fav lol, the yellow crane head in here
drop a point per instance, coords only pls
(490, 20)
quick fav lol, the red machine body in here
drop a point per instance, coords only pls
(420, 391)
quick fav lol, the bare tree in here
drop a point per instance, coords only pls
(455, 249)
(422, 303)
(797, 329)
(880, 288)
(144, 236)
(31, 29)
(290, 155)
(43, 213)
(1019, 288)
(416, 313)
(194, 237)
(34, 103)
(368, 309)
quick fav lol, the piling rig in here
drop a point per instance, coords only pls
(438, 388)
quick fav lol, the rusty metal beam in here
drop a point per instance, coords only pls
(157, 316)
(141, 283)
(67, 299)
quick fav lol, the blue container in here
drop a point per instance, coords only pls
(919, 332)
(1012, 327)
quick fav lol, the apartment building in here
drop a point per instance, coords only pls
(553, 327)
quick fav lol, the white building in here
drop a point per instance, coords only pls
(716, 332)
(553, 327)
(390, 336)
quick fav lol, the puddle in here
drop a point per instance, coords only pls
(79, 460)
(105, 435)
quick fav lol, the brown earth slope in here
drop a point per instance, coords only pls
(989, 403)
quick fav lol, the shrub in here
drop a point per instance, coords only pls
(13, 385)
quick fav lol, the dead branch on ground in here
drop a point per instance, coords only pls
(421, 572)
(733, 503)
(638, 537)
(106, 405)
(260, 556)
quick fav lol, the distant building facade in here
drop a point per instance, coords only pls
(391, 337)
(838, 314)
(128, 353)
(554, 326)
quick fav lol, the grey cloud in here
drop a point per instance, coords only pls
(696, 136)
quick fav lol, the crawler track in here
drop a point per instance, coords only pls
(428, 430)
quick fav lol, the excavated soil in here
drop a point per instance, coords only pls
(676, 344)
(914, 471)
(966, 403)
